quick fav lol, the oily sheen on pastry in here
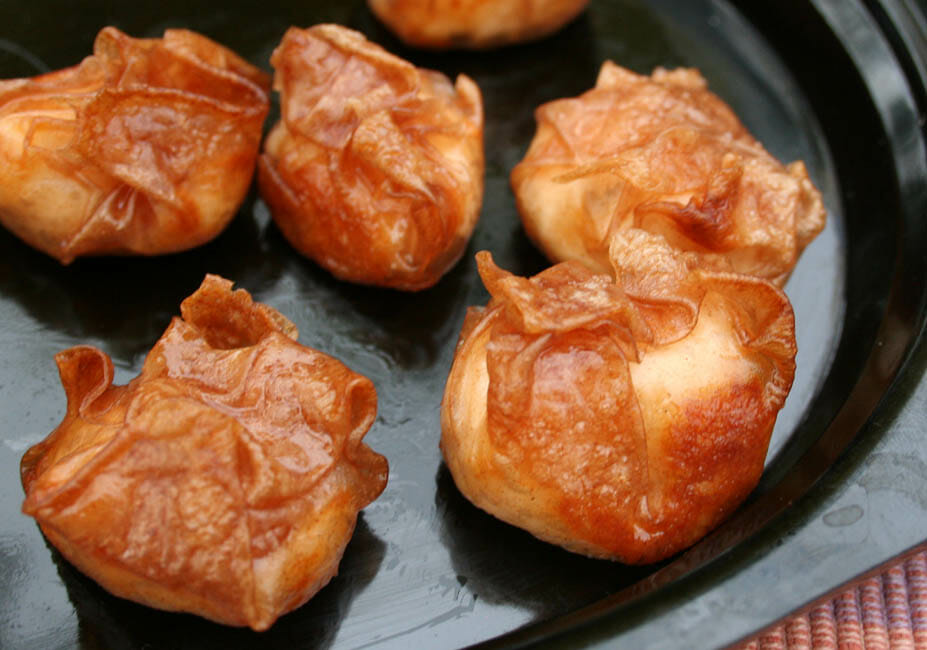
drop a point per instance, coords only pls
(147, 147)
(225, 480)
(375, 170)
(663, 154)
(620, 419)
(475, 24)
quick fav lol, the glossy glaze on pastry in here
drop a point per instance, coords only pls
(375, 170)
(474, 24)
(225, 480)
(664, 154)
(621, 420)
(147, 147)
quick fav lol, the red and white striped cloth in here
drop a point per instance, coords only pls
(887, 612)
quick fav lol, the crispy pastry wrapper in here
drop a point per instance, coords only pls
(474, 24)
(664, 154)
(225, 480)
(147, 147)
(619, 419)
(375, 170)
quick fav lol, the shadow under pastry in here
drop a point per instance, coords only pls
(123, 304)
(106, 621)
(410, 330)
(505, 565)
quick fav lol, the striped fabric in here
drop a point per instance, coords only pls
(887, 612)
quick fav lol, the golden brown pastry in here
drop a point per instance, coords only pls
(664, 154)
(620, 420)
(475, 24)
(224, 480)
(146, 147)
(375, 170)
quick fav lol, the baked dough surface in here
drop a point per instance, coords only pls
(225, 480)
(475, 24)
(147, 147)
(375, 170)
(664, 154)
(621, 420)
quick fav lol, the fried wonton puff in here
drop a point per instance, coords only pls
(147, 147)
(375, 170)
(475, 24)
(225, 480)
(620, 420)
(664, 154)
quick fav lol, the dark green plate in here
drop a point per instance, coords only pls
(836, 83)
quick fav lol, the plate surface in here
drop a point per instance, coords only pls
(425, 568)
